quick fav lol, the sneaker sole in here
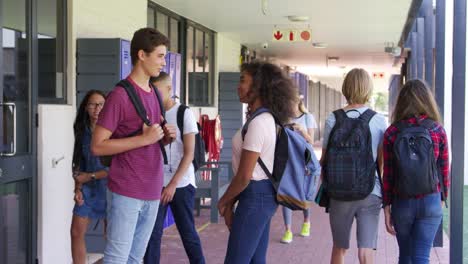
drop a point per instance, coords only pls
(285, 242)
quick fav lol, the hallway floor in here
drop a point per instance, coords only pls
(314, 249)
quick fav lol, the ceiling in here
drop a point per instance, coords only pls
(355, 30)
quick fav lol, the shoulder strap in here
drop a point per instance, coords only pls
(367, 115)
(244, 131)
(427, 123)
(140, 109)
(265, 169)
(158, 96)
(180, 119)
(400, 125)
(254, 114)
(340, 115)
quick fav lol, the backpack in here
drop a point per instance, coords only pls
(296, 170)
(199, 153)
(416, 167)
(349, 163)
(141, 111)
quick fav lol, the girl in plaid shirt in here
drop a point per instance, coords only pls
(414, 220)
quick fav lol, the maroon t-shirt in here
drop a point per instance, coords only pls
(137, 173)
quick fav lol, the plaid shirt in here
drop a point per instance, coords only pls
(439, 138)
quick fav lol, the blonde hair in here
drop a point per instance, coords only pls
(301, 106)
(357, 87)
(415, 99)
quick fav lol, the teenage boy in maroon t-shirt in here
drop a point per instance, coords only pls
(136, 173)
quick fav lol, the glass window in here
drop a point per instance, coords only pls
(190, 53)
(174, 35)
(199, 51)
(207, 52)
(16, 216)
(14, 74)
(162, 23)
(150, 17)
(207, 65)
(51, 59)
(200, 75)
(198, 79)
(166, 23)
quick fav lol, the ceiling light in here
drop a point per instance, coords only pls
(319, 45)
(333, 59)
(298, 18)
(265, 7)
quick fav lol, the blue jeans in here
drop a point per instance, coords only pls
(182, 208)
(416, 222)
(248, 239)
(130, 222)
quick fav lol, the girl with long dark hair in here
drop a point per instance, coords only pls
(414, 219)
(89, 174)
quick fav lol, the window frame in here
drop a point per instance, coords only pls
(210, 102)
(61, 61)
(170, 15)
(182, 44)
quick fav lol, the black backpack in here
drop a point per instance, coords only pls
(199, 153)
(141, 111)
(349, 164)
(416, 168)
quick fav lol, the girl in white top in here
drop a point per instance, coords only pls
(305, 124)
(262, 85)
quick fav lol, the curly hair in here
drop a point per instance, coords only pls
(81, 122)
(275, 89)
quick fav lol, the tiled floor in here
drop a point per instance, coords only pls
(311, 250)
(314, 249)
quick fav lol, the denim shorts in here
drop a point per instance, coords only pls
(366, 212)
(95, 200)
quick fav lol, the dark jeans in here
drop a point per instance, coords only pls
(416, 222)
(182, 208)
(248, 240)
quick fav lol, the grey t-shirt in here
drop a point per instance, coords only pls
(377, 124)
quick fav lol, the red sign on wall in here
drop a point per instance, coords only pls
(292, 35)
(378, 75)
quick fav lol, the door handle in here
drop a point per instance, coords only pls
(13, 151)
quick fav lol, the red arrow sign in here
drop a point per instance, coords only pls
(278, 35)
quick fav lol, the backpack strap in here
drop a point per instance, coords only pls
(400, 125)
(255, 114)
(244, 131)
(367, 115)
(265, 169)
(427, 123)
(340, 115)
(141, 111)
(131, 92)
(180, 119)
(158, 96)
